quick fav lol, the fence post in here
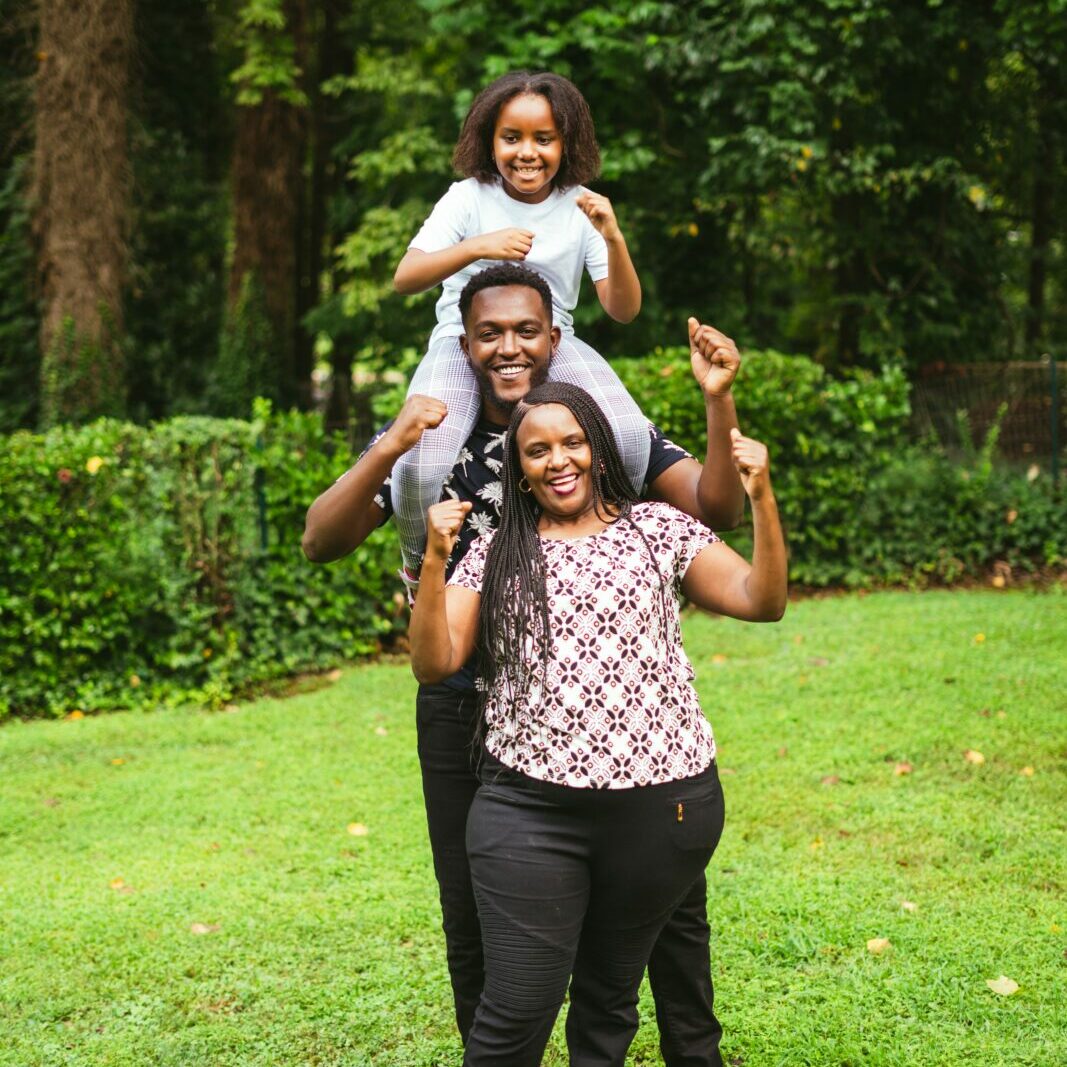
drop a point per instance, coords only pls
(1055, 416)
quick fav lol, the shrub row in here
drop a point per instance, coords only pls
(860, 502)
(154, 565)
(149, 565)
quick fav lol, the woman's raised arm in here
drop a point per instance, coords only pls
(721, 580)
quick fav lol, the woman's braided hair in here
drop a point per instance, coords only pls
(515, 638)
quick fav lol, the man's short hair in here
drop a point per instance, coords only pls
(500, 275)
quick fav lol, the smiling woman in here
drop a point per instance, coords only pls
(596, 754)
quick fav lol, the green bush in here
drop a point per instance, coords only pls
(147, 566)
(860, 504)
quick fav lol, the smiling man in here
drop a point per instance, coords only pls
(509, 340)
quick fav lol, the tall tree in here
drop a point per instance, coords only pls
(259, 350)
(81, 196)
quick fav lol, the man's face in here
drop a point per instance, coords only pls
(509, 342)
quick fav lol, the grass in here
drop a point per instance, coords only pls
(323, 947)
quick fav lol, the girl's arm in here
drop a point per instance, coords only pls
(620, 291)
(419, 271)
(719, 579)
(444, 621)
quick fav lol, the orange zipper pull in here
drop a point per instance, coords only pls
(681, 811)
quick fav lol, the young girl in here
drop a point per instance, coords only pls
(526, 147)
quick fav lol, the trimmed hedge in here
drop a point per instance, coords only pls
(148, 566)
(861, 504)
(156, 565)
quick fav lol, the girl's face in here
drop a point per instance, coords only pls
(556, 460)
(527, 147)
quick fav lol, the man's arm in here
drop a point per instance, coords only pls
(711, 492)
(344, 516)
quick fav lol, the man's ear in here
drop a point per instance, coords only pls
(463, 344)
(557, 335)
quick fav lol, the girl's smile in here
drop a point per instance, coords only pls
(527, 147)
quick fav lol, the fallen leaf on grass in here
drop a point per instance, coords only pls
(118, 761)
(1027, 772)
(117, 883)
(53, 802)
(830, 779)
(1002, 986)
(75, 715)
(727, 770)
(902, 768)
(204, 928)
(334, 675)
(974, 757)
(718, 659)
(909, 905)
(818, 661)
(877, 945)
(381, 731)
(816, 844)
(979, 639)
(357, 829)
(223, 1006)
(783, 752)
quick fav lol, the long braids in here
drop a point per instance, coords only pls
(515, 638)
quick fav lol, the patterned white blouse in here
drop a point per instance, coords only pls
(615, 707)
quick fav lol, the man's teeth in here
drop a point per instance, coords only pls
(510, 371)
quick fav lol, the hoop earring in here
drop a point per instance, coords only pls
(523, 489)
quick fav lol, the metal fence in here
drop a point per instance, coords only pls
(1033, 426)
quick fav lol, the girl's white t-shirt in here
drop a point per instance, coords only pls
(565, 242)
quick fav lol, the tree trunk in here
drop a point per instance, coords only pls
(267, 195)
(81, 194)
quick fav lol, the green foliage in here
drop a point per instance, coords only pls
(20, 359)
(155, 565)
(859, 505)
(269, 61)
(249, 360)
(180, 162)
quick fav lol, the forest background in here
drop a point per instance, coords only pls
(203, 204)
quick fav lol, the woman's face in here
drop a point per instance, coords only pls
(527, 147)
(556, 460)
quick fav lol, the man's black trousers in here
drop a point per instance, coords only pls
(679, 969)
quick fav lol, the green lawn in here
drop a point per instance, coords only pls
(322, 947)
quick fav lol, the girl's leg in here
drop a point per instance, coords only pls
(579, 364)
(419, 475)
(644, 861)
(529, 865)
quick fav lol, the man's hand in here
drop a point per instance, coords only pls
(443, 523)
(419, 414)
(600, 213)
(752, 462)
(714, 359)
(511, 244)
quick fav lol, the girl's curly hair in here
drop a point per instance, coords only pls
(473, 155)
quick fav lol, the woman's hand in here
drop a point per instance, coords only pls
(513, 244)
(600, 213)
(753, 464)
(443, 523)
